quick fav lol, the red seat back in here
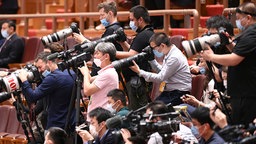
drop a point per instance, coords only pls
(13, 123)
(176, 40)
(4, 113)
(198, 82)
(30, 51)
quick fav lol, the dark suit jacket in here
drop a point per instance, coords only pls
(108, 138)
(12, 51)
(9, 7)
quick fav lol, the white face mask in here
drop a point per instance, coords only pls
(97, 62)
(93, 131)
(110, 108)
(4, 33)
(133, 26)
(239, 25)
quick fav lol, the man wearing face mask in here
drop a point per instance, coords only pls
(99, 133)
(39, 110)
(203, 123)
(57, 88)
(117, 102)
(98, 86)
(241, 77)
(140, 23)
(174, 73)
(12, 49)
(108, 18)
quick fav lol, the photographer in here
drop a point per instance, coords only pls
(98, 133)
(174, 73)
(138, 90)
(57, 89)
(108, 18)
(241, 71)
(153, 108)
(98, 86)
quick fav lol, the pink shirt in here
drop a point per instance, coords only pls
(106, 80)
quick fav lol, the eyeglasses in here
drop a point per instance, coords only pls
(155, 47)
(244, 12)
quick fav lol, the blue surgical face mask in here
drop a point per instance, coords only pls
(195, 132)
(45, 73)
(202, 70)
(133, 26)
(157, 53)
(104, 22)
(4, 33)
(239, 25)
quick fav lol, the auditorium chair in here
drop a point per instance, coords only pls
(198, 82)
(176, 40)
(13, 132)
(30, 51)
(4, 112)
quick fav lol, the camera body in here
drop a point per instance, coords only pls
(12, 82)
(55, 37)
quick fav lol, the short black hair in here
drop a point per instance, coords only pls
(202, 115)
(159, 38)
(101, 114)
(158, 107)
(57, 135)
(140, 11)
(10, 24)
(218, 22)
(117, 94)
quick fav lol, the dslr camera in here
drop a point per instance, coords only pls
(215, 41)
(11, 82)
(55, 37)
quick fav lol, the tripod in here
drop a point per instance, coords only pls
(75, 101)
(22, 116)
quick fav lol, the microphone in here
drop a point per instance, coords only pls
(114, 122)
(53, 56)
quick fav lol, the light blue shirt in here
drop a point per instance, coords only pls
(174, 71)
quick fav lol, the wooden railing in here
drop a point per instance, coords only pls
(227, 11)
(197, 4)
(165, 13)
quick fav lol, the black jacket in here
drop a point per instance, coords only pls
(11, 51)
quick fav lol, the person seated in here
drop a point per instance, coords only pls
(204, 124)
(56, 135)
(12, 49)
(98, 133)
(117, 102)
